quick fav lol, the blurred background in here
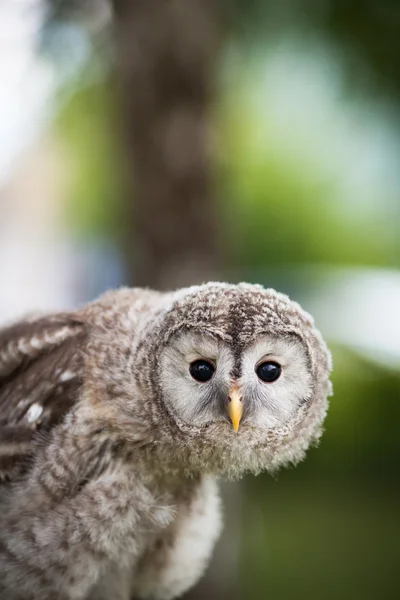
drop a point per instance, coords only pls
(165, 143)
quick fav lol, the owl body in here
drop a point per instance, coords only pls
(118, 419)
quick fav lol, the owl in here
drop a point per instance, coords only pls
(117, 420)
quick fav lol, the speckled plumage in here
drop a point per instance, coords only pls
(109, 451)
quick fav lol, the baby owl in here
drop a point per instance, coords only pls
(117, 419)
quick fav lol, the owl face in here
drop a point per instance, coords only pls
(242, 373)
(206, 380)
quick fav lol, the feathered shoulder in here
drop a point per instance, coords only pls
(41, 366)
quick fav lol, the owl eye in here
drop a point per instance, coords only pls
(201, 370)
(268, 371)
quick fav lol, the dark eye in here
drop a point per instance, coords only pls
(201, 370)
(268, 371)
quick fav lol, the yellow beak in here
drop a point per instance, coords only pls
(235, 406)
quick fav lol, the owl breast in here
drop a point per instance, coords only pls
(178, 558)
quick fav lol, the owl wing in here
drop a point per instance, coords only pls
(41, 368)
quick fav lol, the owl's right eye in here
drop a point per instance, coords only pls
(201, 370)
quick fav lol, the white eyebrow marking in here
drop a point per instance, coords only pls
(192, 356)
(34, 412)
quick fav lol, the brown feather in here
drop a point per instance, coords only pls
(40, 377)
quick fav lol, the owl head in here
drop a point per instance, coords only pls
(238, 376)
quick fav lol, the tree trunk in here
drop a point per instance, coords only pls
(166, 52)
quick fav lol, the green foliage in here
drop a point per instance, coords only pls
(277, 203)
(362, 426)
(317, 540)
(95, 186)
(367, 32)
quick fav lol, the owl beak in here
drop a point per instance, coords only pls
(235, 406)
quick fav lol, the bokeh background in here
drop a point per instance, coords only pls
(169, 142)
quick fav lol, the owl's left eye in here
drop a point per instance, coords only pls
(201, 370)
(268, 371)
